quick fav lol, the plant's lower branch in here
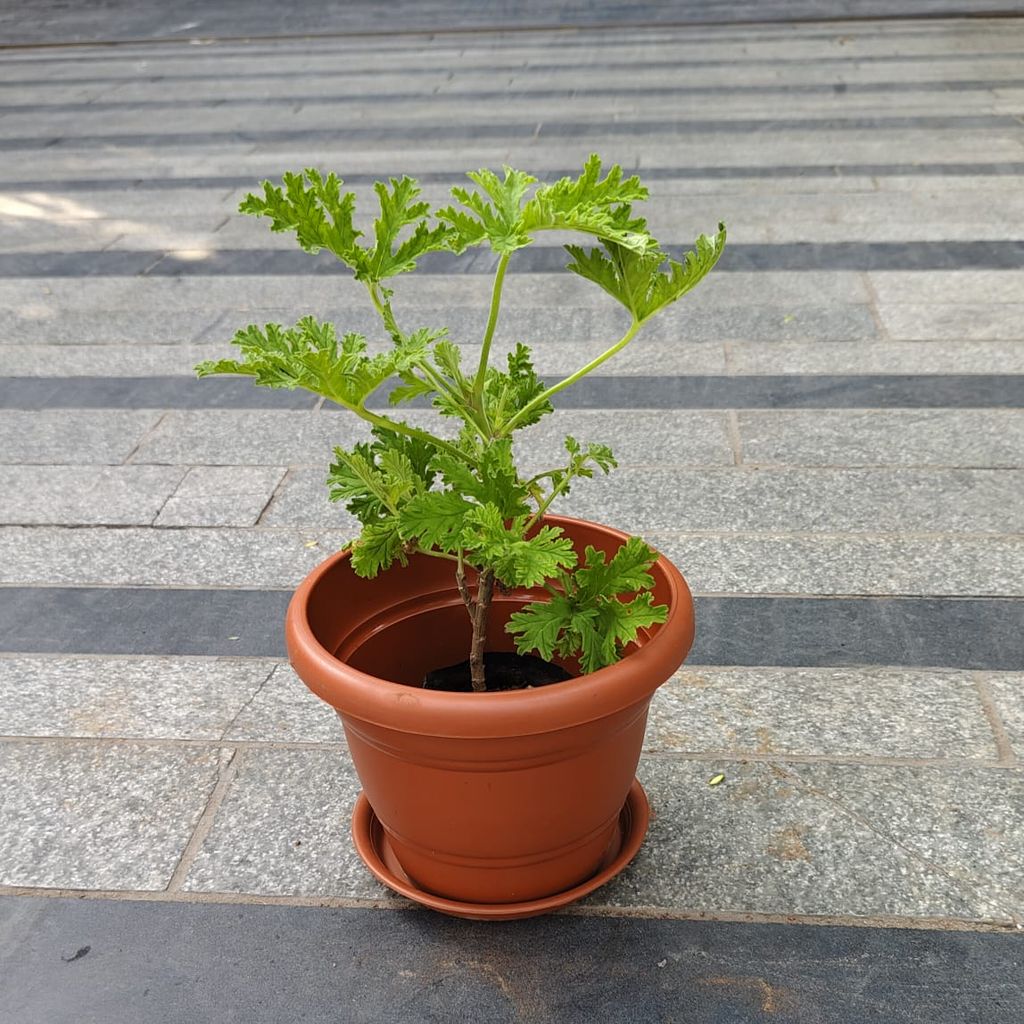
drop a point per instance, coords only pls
(482, 605)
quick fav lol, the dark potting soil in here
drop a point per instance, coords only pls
(502, 671)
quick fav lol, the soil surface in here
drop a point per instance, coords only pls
(502, 671)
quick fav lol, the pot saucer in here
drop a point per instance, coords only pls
(372, 846)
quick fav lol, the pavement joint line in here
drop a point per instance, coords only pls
(773, 758)
(735, 437)
(286, 477)
(248, 703)
(649, 912)
(981, 889)
(995, 721)
(226, 774)
(127, 460)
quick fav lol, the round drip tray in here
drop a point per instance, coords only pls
(372, 845)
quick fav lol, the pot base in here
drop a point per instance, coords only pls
(372, 846)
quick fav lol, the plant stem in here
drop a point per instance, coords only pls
(492, 323)
(582, 372)
(484, 590)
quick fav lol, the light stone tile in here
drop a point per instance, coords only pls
(841, 713)
(136, 698)
(178, 557)
(946, 565)
(285, 711)
(220, 496)
(948, 287)
(759, 842)
(78, 495)
(39, 320)
(636, 436)
(140, 360)
(90, 816)
(237, 437)
(75, 436)
(284, 829)
(879, 357)
(967, 822)
(985, 438)
(1007, 691)
(302, 500)
(979, 322)
(797, 500)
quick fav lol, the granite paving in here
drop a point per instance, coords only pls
(844, 746)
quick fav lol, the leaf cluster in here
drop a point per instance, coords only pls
(597, 611)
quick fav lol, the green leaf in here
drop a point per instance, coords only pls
(593, 205)
(434, 519)
(494, 211)
(538, 625)
(321, 216)
(502, 546)
(636, 279)
(308, 355)
(377, 547)
(505, 393)
(626, 572)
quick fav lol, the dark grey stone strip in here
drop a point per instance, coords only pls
(104, 107)
(968, 633)
(266, 73)
(69, 961)
(457, 131)
(810, 391)
(538, 259)
(998, 169)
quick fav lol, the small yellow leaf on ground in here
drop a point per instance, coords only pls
(716, 779)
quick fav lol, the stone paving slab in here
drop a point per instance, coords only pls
(130, 698)
(220, 496)
(820, 713)
(72, 495)
(94, 816)
(986, 438)
(72, 436)
(733, 562)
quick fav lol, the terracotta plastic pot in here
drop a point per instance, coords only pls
(492, 798)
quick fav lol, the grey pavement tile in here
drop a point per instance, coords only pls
(140, 360)
(829, 712)
(759, 842)
(986, 438)
(96, 816)
(48, 323)
(967, 822)
(220, 496)
(72, 436)
(251, 437)
(978, 322)
(642, 437)
(1007, 690)
(177, 557)
(283, 829)
(135, 698)
(285, 711)
(878, 357)
(949, 287)
(792, 500)
(302, 500)
(77, 495)
(943, 565)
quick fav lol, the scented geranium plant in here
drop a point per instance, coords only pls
(458, 494)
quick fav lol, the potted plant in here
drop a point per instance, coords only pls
(492, 663)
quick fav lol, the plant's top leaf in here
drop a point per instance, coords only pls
(637, 280)
(494, 211)
(321, 216)
(593, 205)
(506, 393)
